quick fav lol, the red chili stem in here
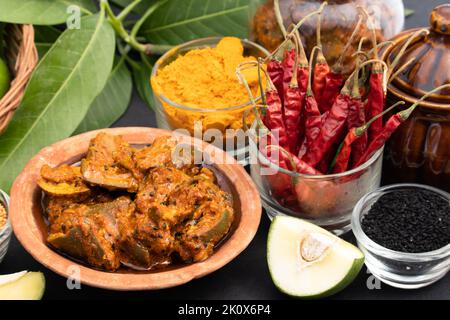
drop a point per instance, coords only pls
(372, 29)
(309, 91)
(402, 51)
(337, 67)
(279, 17)
(295, 29)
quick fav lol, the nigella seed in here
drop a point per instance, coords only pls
(409, 221)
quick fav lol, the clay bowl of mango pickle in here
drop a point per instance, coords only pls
(31, 226)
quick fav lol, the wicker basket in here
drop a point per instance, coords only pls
(22, 57)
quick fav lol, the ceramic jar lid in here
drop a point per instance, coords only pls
(431, 54)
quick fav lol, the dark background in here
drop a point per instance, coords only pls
(246, 277)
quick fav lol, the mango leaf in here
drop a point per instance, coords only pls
(41, 12)
(60, 91)
(141, 77)
(112, 102)
(175, 21)
(140, 8)
(45, 37)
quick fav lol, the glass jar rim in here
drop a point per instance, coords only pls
(4, 200)
(199, 42)
(375, 247)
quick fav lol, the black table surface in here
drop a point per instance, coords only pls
(247, 276)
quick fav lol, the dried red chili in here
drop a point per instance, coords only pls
(295, 163)
(376, 100)
(341, 162)
(273, 118)
(333, 126)
(274, 115)
(311, 112)
(303, 66)
(333, 83)
(391, 125)
(288, 69)
(282, 184)
(321, 70)
(293, 103)
(356, 115)
(335, 79)
(329, 132)
(275, 71)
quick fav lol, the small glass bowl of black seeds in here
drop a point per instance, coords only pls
(404, 233)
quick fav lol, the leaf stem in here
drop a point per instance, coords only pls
(130, 39)
(126, 11)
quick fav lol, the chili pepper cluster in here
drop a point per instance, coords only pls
(321, 120)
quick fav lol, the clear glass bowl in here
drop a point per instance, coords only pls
(325, 200)
(399, 269)
(5, 231)
(172, 116)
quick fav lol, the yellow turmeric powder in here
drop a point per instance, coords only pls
(206, 79)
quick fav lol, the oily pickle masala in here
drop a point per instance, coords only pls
(134, 207)
(206, 78)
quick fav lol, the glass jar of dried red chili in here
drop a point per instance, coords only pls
(326, 200)
(420, 149)
(338, 21)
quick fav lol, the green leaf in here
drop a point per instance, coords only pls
(140, 8)
(40, 12)
(141, 77)
(86, 4)
(175, 21)
(42, 49)
(111, 103)
(44, 38)
(63, 86)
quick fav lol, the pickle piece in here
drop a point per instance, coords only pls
(64, 180)
(213, 228)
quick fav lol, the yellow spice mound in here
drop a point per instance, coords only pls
(206, 78)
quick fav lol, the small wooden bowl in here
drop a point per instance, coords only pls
(30, 228)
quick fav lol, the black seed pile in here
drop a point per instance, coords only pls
(409, 221)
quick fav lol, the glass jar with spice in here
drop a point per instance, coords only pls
(402, 230)
(338, 20)
(5, 226)
(197, 92)
(326, 200)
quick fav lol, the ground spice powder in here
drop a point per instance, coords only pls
(409, 221)
(206, 77)
(3, 216)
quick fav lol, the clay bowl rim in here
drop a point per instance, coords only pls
(400, 93)
(27, 231)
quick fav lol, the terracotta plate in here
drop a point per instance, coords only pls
(31, 230)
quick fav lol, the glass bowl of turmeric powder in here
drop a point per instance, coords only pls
(197, 92)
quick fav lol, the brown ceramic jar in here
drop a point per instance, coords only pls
(420, 150)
